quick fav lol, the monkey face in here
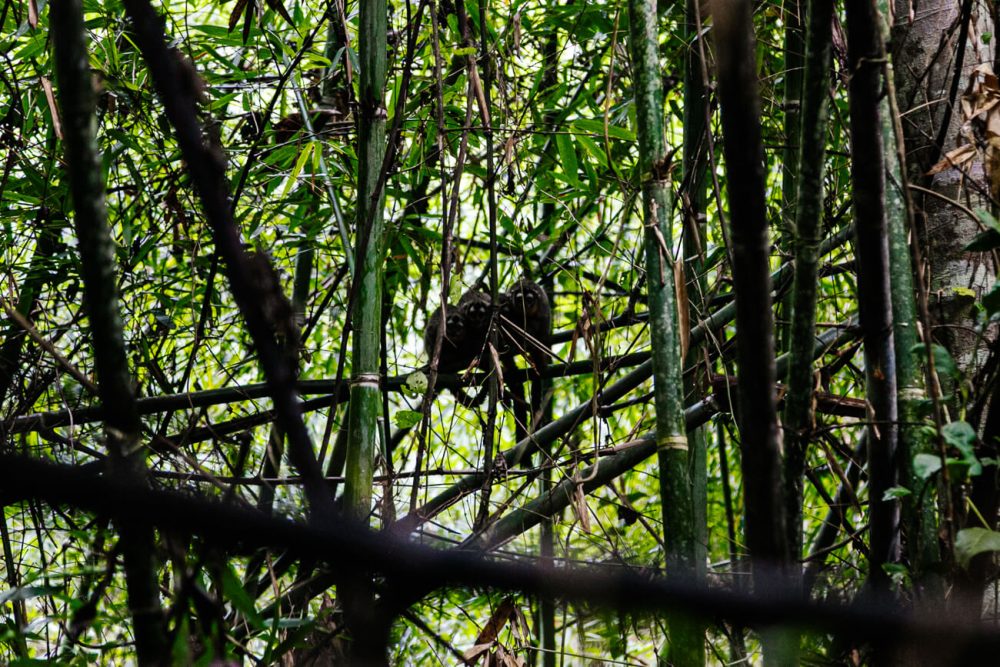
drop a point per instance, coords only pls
(522, 300)
(475, 306)
(477, 313)
(455, 330)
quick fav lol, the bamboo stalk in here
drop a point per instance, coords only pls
(611, 467)
(693, 206)
(687, 643)
(865, 55)
(918, 509)
(760, 438)
(368, 639)
(808, 235)
(366, 318)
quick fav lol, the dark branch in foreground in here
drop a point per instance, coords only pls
(353, 549)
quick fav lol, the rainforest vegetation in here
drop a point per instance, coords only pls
(499, 332)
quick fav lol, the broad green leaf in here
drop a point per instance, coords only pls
(416, 383)
(592, 148)
(293, 177)
(987, 219)
(26, 593)
(407, 418)
(971, 542)
(181, 650)
(991, 300)
(962, 437)
(943, 363)
(984, 241)
(925, 465)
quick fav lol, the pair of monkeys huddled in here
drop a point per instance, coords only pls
(524, 327)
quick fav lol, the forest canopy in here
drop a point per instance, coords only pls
(499, 332)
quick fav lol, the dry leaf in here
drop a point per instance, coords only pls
(508, 150)
(497, 366)
(521, 628)
(476, 651)
(510, 660)
(53, 107)
(477, 87)
(953, 158)
(980, 107)
(497, 621)
(580, 507)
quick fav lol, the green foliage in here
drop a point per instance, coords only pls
(566, 177)
(970, 542)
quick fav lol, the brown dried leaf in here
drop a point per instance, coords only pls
(477, 87)
(510, 660)
(280, 9)
(497, 621)
(521, 628)
(580, 507)
(980, 104)
(234, 16)
(496, 364)
(508, 150)
(953, 158)
(53, 107)
(471, 654)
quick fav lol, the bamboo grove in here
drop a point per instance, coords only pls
(499, 332)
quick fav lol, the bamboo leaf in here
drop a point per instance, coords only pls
(567, 155)
(596, 127)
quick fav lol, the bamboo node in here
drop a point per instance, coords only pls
(672, 442)
(370, 380)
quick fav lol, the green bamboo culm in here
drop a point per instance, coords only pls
(794, 52)
(687, 646)
(694, 204)
(808, 236)
(917, 508)
(364, 409)
(366, 401)
(808, 214)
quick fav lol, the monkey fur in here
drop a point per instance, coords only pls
(526, 323)
(525, 326)
(457, 351)
(477, 309)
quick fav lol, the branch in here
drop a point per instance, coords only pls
(349, 549)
